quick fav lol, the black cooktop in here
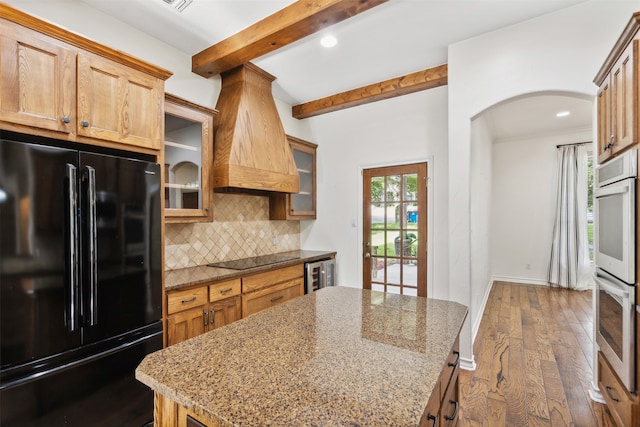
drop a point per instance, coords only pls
(256, 261)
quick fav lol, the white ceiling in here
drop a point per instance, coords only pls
(396, 38)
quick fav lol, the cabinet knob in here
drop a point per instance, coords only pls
(66, 119)
(84, 123)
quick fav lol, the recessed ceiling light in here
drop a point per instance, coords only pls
(563, 113)
(328, 41)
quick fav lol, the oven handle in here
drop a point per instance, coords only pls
(610, 191)
(611, 288)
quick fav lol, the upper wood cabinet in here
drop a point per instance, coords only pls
(301, 205)
(617, 116)
(37, 79)
(56, 83)
(188, 157)
(118, 104)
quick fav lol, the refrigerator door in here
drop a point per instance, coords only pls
(97, 387)
(121, 265)
(36, 299)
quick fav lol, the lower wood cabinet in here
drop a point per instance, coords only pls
(254, 302)
(444, 404)
(198, 309)
(184, 325)
(623, 406)
(264, 290)
(224, 311)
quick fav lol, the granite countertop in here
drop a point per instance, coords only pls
(176, 279)
(339, 356)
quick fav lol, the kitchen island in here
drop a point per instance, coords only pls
(336, 357)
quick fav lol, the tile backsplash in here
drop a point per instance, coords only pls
(241, 228)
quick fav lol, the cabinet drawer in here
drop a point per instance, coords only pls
(450, 368)
(614, 393)
(450, 404)
(257, 301)
(226, 289)
(263, 280)
(183, 300)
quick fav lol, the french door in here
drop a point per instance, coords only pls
(395, 229)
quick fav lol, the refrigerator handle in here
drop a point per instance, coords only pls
(71, 317)
(89, 175)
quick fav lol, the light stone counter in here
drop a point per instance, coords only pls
(336, 357)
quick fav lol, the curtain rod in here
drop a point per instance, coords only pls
(575, 143)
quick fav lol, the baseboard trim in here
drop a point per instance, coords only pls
(468, 364)
(524, 281)
(595, 395)
(478, 320)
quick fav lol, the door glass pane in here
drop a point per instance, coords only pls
(377, 189)
(183, 163)
(393, 215)
(410, 187)
(377, 287)
(393, 188)
(410, 212)
(393, 245)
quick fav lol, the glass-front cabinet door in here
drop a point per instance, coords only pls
(188, 156)
(301, 205)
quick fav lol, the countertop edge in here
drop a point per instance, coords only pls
(214, 274)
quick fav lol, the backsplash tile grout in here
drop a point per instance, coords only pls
(241, 228)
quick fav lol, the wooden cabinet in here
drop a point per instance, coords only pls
(188, 144)
(224, 303)
(444, 403)
(37, 79)
(617, 116)
(301, 205)
(194, 311)
(201, 308)
(264, 290)
(56, 83)
(620, 402)
(117, 103)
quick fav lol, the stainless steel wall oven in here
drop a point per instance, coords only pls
(615, 258)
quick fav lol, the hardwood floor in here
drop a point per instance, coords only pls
(534, 361)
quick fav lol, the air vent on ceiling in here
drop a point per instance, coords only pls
(179, 5)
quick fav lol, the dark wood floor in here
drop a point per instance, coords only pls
(534, 361)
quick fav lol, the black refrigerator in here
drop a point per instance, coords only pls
(80, 283)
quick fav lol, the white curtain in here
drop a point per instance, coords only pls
(569, 266)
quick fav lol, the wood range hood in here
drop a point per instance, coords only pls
(251, 148)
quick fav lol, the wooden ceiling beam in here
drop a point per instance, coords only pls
(286, 26)
(414, 82)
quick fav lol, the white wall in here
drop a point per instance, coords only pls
(556, 52)
(524, 188)
(406, 129)
(480, 221)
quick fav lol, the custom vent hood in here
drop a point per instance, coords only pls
(251, 148)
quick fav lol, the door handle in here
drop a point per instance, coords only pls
(367, 255)
(89, 178)
(71, 318)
